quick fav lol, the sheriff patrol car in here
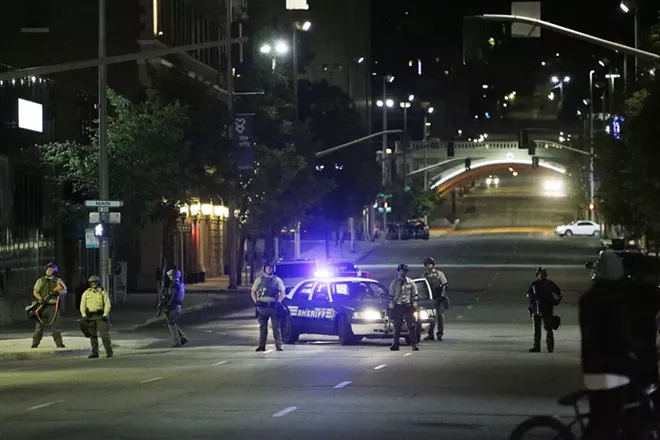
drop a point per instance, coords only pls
(352, 308)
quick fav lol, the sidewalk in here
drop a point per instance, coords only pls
(342, 252)
(138, 311)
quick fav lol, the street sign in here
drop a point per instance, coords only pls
(243, 140)
(294, 5)
(95, 217)
(104, 203)
(91, 241)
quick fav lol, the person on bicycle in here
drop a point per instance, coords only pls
(608, 352)
(543, 295)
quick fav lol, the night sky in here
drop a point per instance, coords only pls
(432, 30)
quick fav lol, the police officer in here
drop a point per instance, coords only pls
(267, 293)
(543, 296)
(95, 308)
(175, 293)
(49, 289)
(402, 305)
(438, 282)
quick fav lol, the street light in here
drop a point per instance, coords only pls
(390, 103)
(265, 49)
(306, 26)
(411, 98)
(281, 47)
(626, 6)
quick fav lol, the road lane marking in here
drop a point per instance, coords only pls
(44, 405)
(285, 411)
(219, 363)
(208, 331)
(459, 317)
(268, 351)
(342, 384)
(470, 306)
(154, 379)
(478, 298)
(407, 354)
(380, 367)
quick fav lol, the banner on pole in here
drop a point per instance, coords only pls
(244, 141)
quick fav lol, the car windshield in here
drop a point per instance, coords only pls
(359, 290)
(296, 270)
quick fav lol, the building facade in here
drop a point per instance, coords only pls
(35, 33)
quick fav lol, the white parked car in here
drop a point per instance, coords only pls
(579, 227)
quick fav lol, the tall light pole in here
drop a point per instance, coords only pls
(104, 187)
(385, 103)
(297, 26)
(560, 84)
(626, 6)
(591, 143)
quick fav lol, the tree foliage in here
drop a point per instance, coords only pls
(412, 202)
(352, 173)
(148, 158)
(627, 169)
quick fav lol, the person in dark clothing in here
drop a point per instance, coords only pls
(175, 292)
(619, 358)
(543, 296)
(268, 291)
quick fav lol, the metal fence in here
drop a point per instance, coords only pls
(23, 254)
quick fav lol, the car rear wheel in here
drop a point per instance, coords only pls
(289, 333)
(345, 332)
(596, 233)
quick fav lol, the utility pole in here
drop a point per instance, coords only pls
(384, 164)
(104, 190)
(233, 201)
(591, 142)
(296, 234)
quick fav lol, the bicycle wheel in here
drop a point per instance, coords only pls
(541, 428)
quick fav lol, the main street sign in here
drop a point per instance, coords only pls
(104, 203)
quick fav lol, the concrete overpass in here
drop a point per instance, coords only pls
(487, 157)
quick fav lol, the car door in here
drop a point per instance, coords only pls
(584, 228)
(320, 312)
(300, 301)
(425, 293)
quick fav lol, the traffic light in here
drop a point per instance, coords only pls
(524, 143)
(535, 162)
(468, 164)
(100, 230)
(450, 149)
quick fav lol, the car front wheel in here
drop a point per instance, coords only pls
(289, 333)
(345, 332)
(568, 233)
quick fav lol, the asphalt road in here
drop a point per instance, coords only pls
(516, 202)
(477, 384)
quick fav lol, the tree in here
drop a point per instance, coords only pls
(149, 163)
(352, 172)
(412, 202)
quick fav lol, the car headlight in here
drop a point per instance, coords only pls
(371, 315)
(422, 314)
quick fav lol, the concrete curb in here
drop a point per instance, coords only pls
(26, 355)
(191, 309)
(371, 251)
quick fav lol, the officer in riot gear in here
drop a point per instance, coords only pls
(173, 303)
(402, 305)
(267, 293)
(95, 310)
(48, 290)
(438, 283)
(543, 295)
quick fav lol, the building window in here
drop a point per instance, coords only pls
(36, 16)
